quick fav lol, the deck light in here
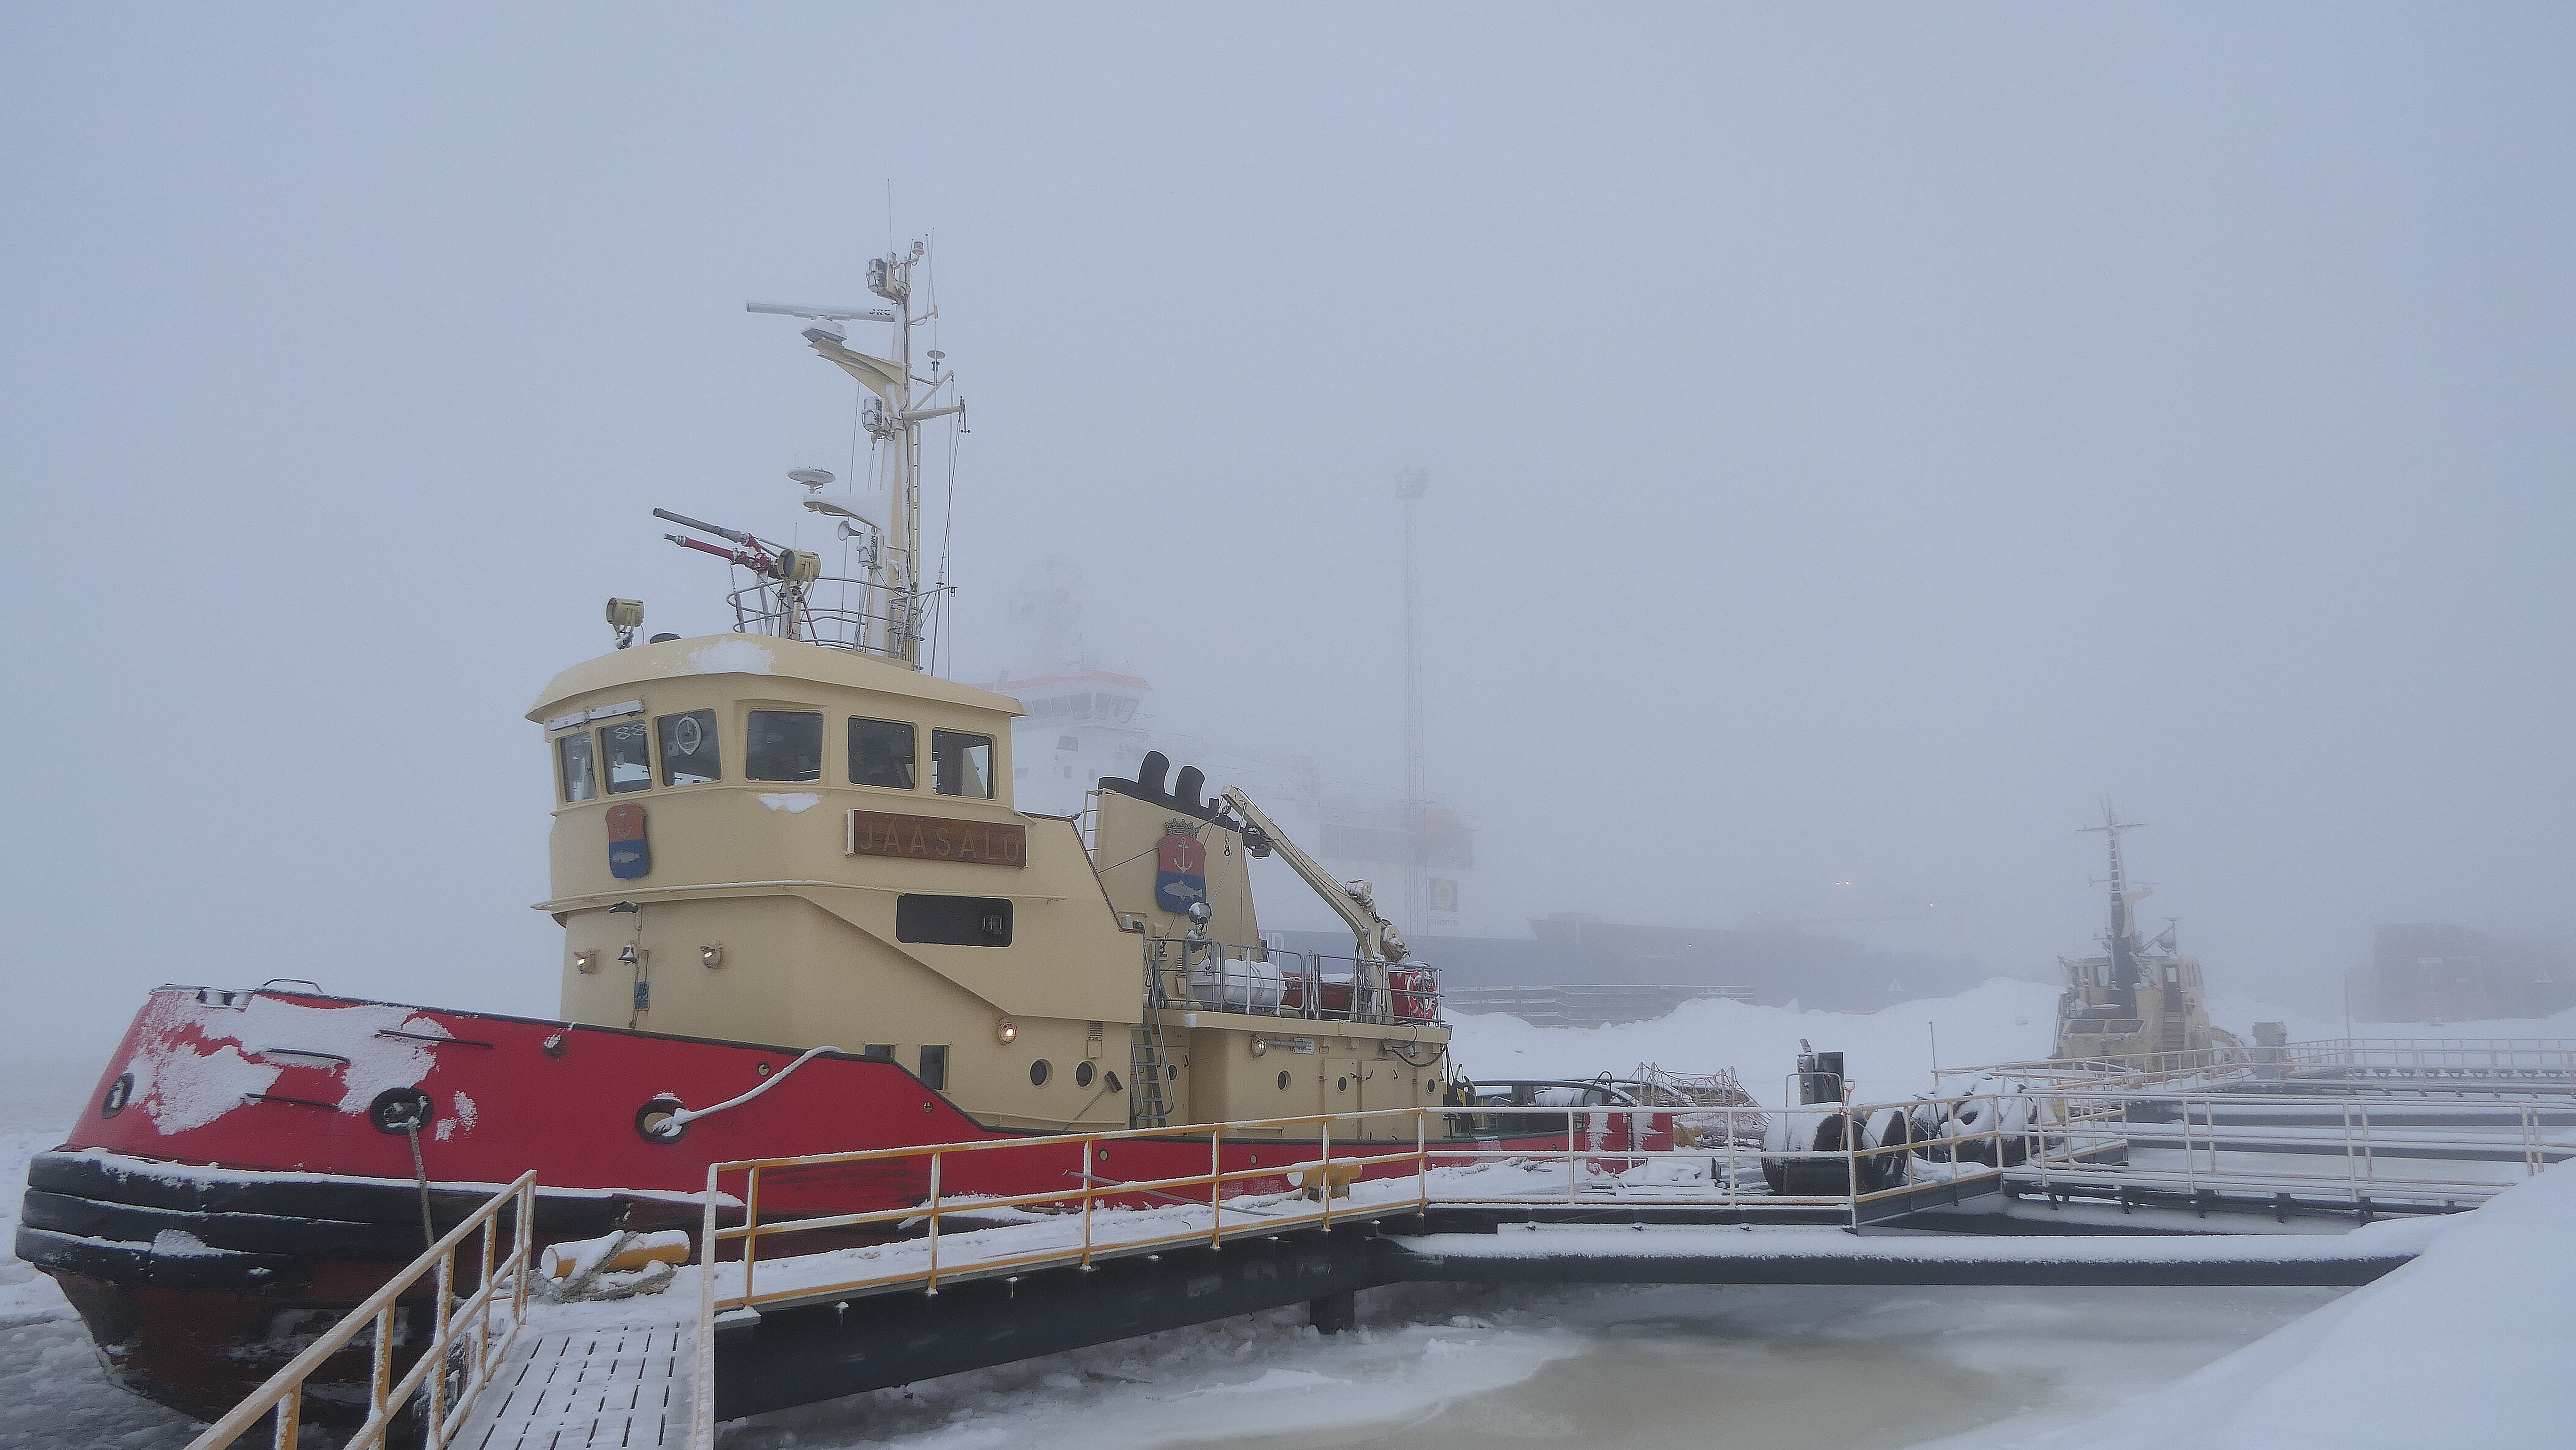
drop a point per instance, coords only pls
(712, 954)
(1007, 1030)
(585, 961)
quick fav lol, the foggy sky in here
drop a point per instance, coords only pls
(1860, 440)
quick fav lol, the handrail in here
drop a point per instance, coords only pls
(283, 1393)
(1179, 969)
(2531, 1054)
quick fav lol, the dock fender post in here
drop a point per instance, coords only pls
(1335, 1313)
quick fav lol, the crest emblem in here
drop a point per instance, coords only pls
(1180, 876)
(629, 854)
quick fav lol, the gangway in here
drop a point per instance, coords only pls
(893, 1292)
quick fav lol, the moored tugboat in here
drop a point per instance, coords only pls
(800, 915)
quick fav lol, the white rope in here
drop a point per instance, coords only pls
(670, 1127)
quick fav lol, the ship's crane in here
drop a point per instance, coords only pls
(1379, 943)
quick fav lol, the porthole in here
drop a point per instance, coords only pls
(1039, 1072)
(1171, 1072)
(653, 1120)
(1341, 1084)
(1082, 1075)
(1283, 1079)
(119, 1093)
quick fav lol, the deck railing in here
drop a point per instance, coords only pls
(1260, 981)
(464, 1344)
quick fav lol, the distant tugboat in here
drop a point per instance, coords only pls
(2140, 1000)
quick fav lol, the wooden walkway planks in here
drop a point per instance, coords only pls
(618, 1388)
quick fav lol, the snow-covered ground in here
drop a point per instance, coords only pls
(1437, 1366)
(1889, 1053)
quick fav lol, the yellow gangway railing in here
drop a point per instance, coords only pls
(1327, 1169)
(463, 1331)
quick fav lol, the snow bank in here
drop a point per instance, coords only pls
(2461, 1347)
(1889, 1053)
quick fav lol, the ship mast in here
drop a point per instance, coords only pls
(893, 413)
(2123, 936)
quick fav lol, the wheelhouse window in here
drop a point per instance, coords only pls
(956, 921)
(783, 745)
(689, 748)
(961, 764)
(881, 753)
(630, 759)
(573, 763)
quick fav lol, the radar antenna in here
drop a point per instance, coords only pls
(892, 616)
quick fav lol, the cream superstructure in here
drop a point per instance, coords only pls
(792, 835)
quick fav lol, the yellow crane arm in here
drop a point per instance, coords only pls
(1350, 900)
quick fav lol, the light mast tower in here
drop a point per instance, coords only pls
(1410, 486)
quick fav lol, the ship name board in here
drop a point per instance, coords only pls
(936, 838)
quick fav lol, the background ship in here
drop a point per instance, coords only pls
(2139, 999)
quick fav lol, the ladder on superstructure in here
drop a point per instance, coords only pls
(1149, 1100)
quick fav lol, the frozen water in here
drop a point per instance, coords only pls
(1438, 1366)
(52, 1392)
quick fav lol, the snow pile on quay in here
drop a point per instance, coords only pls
(2464, 1346)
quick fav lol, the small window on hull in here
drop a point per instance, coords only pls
(688, 743)
(955, 921)
(934, 1068)
(881, 753)
(961, 764)
(573, 761)
(783, 745)
(630, 759)
(878, 1052)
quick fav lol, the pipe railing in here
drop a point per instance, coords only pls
(1211, 976)
(2532, 1056)
(455, 1364)
(2372, 1155)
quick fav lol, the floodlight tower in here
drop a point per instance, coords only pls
(1410, 486)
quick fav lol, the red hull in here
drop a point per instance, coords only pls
(243, 1121)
